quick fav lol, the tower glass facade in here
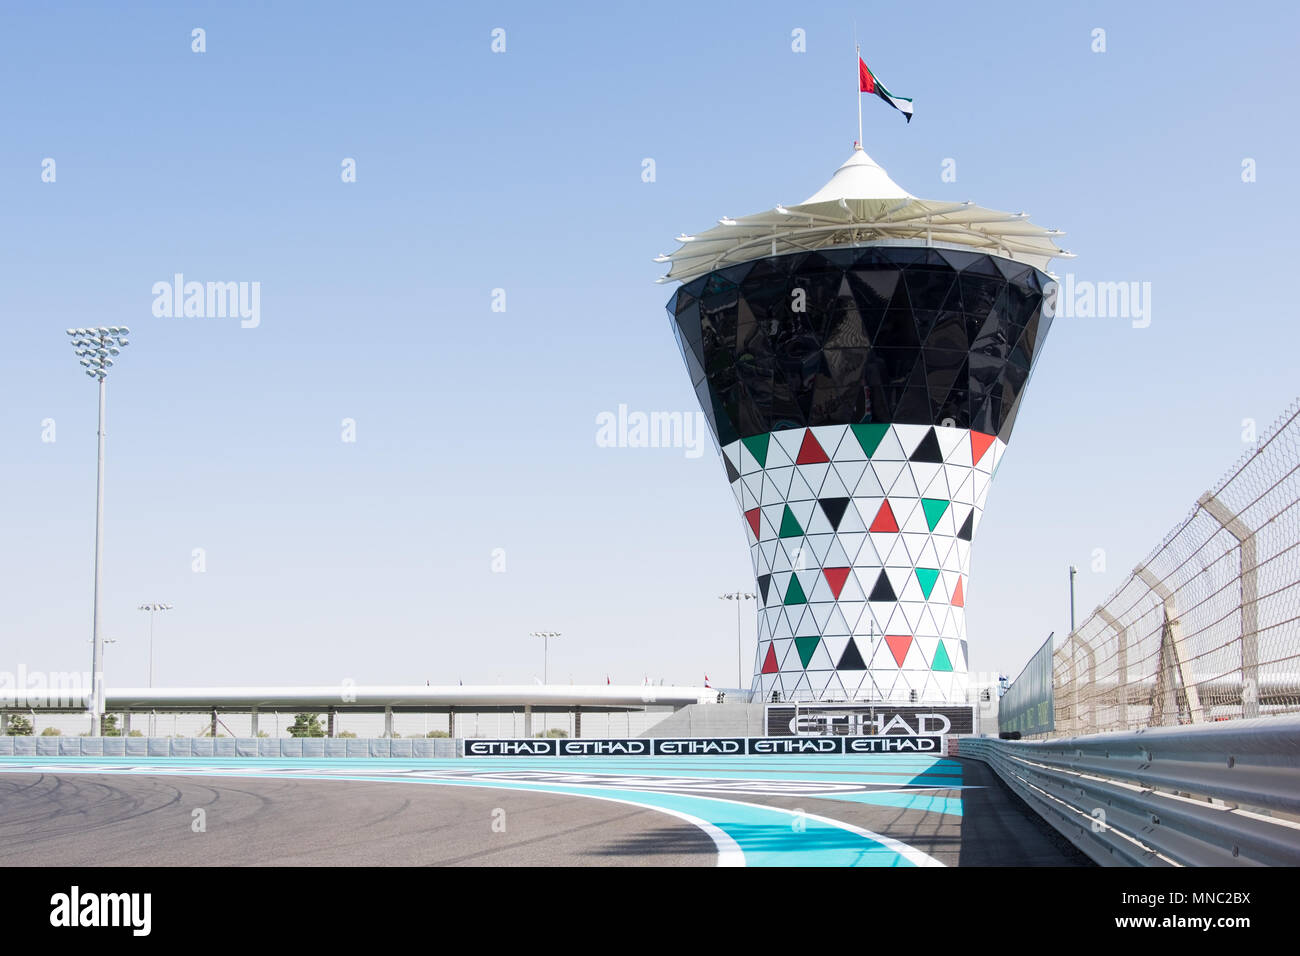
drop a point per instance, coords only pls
(862, 398)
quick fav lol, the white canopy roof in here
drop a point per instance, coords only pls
(861, 205)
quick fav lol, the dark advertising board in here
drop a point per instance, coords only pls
(1028, 706)
(784, 746)
(866, 720)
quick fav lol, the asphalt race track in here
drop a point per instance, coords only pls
(858, 811)
(48, 819)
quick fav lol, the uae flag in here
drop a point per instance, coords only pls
(867, 83)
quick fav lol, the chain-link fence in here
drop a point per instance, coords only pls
(1208, 627)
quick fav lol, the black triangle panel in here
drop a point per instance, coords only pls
(851, 659)
(928, 449)
(883, 591)
(834, 509)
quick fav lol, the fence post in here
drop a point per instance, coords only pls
(1121, 664)
(1248, 582)
(1172, 653)
(1090, 722)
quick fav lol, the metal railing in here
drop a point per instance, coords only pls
(1208, 627)
(251, 747)
(1223, 794)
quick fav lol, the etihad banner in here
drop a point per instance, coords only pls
(707, 746)
(865, 720)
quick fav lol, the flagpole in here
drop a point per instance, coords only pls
(857, 77)
(859, 87)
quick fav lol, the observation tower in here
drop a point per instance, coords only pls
(861, 358)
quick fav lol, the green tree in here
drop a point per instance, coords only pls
(437, 733)
(553, 732)
(306, 725)
(20, 726)
(108, 726)
(51, 732)
(347, 733)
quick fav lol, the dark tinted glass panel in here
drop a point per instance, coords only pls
(881, 334)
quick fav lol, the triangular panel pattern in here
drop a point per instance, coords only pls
(860, 539)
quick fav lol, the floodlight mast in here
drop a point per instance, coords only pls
(94, 348)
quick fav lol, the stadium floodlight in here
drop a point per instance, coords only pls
(739, 597)
(152, 609)
(94, 346)
(546, 648)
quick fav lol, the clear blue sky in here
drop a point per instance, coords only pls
(476, 429)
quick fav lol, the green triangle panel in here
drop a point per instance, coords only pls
(870, 437)
(789, 525)
(934, 509)
(757, 445)
(927, 577)
(805, 646)
(941, 662)
(794, 593)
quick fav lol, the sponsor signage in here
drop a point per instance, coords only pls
(635, 747)
(698, 746)
(512, 748)
(1029, 706)
(707, 746)
(900, 744)
(866, 720)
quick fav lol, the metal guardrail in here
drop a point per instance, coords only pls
(250, 747)
(1224, 794)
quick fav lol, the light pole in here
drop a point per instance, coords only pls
(546, 648)
(152, 609)
(105, 643)
(96, 349)
(739, 597)
(1073, 572)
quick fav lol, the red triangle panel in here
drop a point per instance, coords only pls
(810, 452)
(836, 577)
(898, 645)
(885, 520)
